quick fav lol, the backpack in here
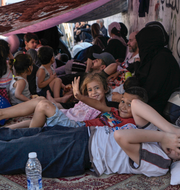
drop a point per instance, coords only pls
(172, 109)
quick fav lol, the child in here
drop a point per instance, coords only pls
(96, 90)
(111, 116)
(5, 72)
(22, 65)
(30, 40)
(73, 147)
(46, 78)
(135, 150)
(91, 86)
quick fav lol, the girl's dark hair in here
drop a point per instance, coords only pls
(95, 30)
(4, 52)
(116, 32)
(140, 92)
(21, 63)
(130, 82)
(93, 76)
(45, 54)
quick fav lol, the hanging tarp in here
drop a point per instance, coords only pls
(37, 15)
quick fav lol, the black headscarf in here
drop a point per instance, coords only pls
(150, 41)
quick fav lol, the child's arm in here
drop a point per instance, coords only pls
(143, 113)
(41, 76)
(130, 140)
(89, 101)
(20, 85)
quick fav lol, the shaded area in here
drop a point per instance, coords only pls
(108, 9)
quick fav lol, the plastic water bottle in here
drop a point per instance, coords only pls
(33, 172)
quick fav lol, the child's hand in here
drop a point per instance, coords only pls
(53, 76)
(67, 88)
(116, 97)
(34, 96)
(75, 86)
(170, 141)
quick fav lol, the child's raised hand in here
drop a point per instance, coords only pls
(75, 86)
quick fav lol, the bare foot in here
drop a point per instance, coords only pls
(64, 99)
(49, 97)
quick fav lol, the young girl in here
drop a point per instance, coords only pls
(94, 86)
(22, 66)
(5, 72)
(46, 78)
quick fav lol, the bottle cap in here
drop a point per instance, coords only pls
(127, 75)
(32, 155)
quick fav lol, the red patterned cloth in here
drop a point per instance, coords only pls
(3, 92)
(118, 81)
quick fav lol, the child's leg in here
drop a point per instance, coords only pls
(55, 86)
(22, 124)
(44, 109)
(130, 140)
(21, 109)
(143, 113)
(63, 99)
(51, 99)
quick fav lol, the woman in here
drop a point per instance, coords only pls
(98, 38)
(116, 44)
(158, 71)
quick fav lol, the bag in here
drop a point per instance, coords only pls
(172, 109)
(3, 104)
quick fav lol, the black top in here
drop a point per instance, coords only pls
(158, 72)
(116, 48)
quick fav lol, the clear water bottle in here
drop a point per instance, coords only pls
(33, 172)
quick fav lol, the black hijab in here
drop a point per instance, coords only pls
(150, 41)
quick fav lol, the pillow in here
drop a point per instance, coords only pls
(175, 171)
(3, 104)
(172, 109)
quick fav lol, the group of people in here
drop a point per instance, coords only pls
(111, 137)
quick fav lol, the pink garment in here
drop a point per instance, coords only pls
(81, 112)
(118, 27)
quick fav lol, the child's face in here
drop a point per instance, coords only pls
(96, 90)
(125, 105)
(173, 155)
(31, 44)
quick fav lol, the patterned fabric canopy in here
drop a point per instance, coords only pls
(33, 15)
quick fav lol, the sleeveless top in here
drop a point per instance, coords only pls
(47, 76)
(5, 80)
(12, 90)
